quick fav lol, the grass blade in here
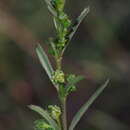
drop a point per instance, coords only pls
(85, 107)
(45, 115)
(44, 60)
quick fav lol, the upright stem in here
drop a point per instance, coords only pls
(58, 62)
(64, 114)
(62, 99)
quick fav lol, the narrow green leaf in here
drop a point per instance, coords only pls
(51, 7)
(77, 23)
(45, 115)
(48, 2)
(53, 45)
(52, 10)
(55, 23)
(75, 26)
(85, 107)
(45, 63)
(44, 60)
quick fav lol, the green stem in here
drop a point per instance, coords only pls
(59, 123)
(58, 62)
(64, 114)
(62, 99)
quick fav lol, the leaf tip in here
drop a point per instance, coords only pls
(86, 10)
(107, 82)
(30, 106)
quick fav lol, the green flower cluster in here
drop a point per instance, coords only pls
(42, 125)
(55, 112)
(62, 30)
(70, 87)
(70, 77)
(62, 23)
(66, 82)
(58, 77)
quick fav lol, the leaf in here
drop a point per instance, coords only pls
(52, 10)
(51, 7)
(53, 46)
(44, 61)
(45, 115)
(77, 23)
(48, 2)
(85, 107)
(55, 23)
(75, 26)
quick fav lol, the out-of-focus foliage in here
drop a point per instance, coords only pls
(100, 49)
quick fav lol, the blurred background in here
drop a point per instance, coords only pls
(99, 50)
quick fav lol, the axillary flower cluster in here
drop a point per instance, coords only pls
(61, 22)
(58, 77)
(58, 45)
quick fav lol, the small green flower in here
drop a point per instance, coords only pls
(58, 76)
(71, 85)
(42, 125)
(55, 112)
(71, 77)
(64, 20)
(61, 44)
